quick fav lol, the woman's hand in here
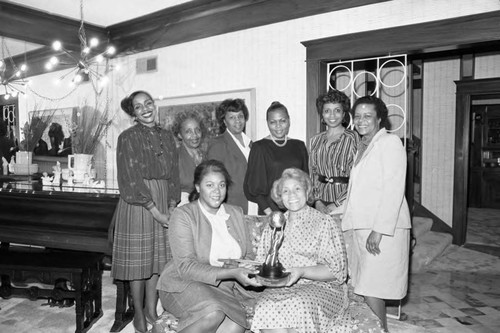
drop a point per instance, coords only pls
(372, 243)
(295, 274)
(241, 275)
(160, 217)
(268, 211)
(319, 205)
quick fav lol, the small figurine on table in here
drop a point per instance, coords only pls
(86, 180)
(46, 180)
(57, 174)
(71, 179)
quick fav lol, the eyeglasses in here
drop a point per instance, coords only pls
(149, 104)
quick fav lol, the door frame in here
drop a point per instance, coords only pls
(465, 90)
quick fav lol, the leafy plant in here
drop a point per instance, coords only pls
(89, 126)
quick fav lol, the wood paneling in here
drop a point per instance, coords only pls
(420, 38)
(38, 27)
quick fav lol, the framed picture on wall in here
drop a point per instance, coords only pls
(206, 104)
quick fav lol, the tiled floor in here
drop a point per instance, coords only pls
(460, 291)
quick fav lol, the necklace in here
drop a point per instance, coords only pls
(279, 144)
(157, 129)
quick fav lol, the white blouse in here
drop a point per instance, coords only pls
(224, 246)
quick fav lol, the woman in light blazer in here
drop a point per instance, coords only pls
(376, 210)
(203, 284)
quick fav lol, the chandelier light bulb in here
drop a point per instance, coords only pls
(18, 74)
(94, 42)
(99, 58)
(14, 93)
(6, 96)
(49, 66)
(78, 78)
(111, 50)
(24, 67)
(57, 45)
(86, 50)
(54, 60)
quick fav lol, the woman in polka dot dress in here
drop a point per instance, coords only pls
(315, 299)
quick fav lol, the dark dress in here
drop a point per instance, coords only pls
(148, 174)
(266, 164)
(6, 146)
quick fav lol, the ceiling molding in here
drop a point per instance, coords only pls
(423, 38)
(23, 23)
(174, 25)
(206, 18)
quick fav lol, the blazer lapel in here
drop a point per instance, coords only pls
(233, 147)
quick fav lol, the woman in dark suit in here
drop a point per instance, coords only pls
(233, 148)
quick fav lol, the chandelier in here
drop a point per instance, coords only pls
(86, 64)
(13, 81)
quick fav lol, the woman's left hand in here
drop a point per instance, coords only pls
(295, 274)
(372, 243)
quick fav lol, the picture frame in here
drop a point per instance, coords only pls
(207, 103)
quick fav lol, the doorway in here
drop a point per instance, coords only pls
(477, 144)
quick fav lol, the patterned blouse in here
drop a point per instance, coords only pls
(332, 160)
(146, 153)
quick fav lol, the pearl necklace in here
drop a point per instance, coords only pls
(279, 144)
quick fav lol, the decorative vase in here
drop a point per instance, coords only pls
(80, 165)
(24, 157)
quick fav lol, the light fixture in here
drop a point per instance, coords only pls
(87, 63)
(13, 81)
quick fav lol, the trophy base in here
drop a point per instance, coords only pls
(273, 282)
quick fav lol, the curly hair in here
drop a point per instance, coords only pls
(291, 173)
(334, 96)
(276, 106)
(127, 104)
(182, 116)
(56, 132)
(380, 109)
(230, 105)
(203, 169)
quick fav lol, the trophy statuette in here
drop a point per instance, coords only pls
(272, 271)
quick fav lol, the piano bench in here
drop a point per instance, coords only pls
(79, 272)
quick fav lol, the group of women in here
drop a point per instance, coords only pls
(196, 264)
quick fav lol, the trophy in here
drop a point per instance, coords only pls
(272, 272)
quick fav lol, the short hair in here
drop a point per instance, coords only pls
(276, 106)
(182, 116)
(291, 173)
(334, 96)
(230, 105)
(380, 109)
(127, 104)
(202, 170)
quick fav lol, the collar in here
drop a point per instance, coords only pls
(246, 139)
(221, 213)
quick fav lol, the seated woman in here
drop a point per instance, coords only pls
(313, 252)
(196, 286)
(189, 129)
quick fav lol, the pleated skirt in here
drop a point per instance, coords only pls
(140, 243)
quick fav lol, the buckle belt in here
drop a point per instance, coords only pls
(333, 180)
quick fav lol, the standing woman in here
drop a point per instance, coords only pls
(270, 156)
(189, 128)
(232, 148)
(331, 153)
(376, 210)
(148, 179)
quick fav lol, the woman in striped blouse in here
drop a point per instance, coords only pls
(332, 152)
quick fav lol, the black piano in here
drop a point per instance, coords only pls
(62, 218)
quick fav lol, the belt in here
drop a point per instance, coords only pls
(333, 180)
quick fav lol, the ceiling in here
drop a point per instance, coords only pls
(97, 12)
(29, 27)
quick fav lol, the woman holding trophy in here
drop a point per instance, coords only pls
(312, 252)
